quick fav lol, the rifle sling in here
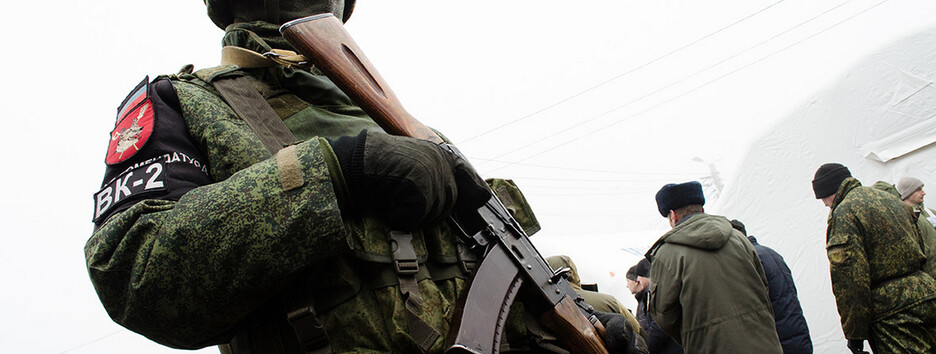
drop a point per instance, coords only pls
(238, 92)
(250, 106)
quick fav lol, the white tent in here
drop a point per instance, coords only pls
(877, 120)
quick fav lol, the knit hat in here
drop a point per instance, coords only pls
(907, 185)
(643, 268)
(828, 178)
(631, 273)
(737, 225)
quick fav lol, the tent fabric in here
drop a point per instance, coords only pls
(879, 121)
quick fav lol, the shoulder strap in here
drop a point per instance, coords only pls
(255, 111)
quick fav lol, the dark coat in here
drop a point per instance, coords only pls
(791, 325)
(657, 340)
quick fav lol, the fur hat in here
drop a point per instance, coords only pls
(828, 179)
(674, 196)
(907, 185)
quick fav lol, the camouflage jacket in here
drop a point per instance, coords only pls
(221, 236)
(927, 232)
(875, 258)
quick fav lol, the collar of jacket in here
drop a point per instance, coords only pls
(702, 231)
(686, 218)
(847, 186)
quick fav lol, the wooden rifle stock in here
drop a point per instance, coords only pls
(324, 41)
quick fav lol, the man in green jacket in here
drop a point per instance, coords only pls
(600, 301)
(251, 205)
(708, 289)
(876, 264)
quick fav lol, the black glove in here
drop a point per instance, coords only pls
(619, 337)
(406, 182)
(856, 346)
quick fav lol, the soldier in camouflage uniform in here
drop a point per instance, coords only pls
(927, 232)
(600, 301)
(274, 236)
(876, 261)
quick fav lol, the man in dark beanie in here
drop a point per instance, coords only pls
(638, 281)
(788, 314)
(876, 264)
(708, 288)
(827, 180)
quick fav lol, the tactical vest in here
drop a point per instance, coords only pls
(426, 265)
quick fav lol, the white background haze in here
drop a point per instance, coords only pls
(590, 108)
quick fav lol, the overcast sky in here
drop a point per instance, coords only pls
(590, 108)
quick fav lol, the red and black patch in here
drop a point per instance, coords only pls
(135, 119)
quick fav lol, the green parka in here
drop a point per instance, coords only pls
(875, 258)
(708, 289)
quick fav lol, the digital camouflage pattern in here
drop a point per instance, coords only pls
(927, 232)
(875, 263)
(190, 273)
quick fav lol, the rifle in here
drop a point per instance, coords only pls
(509, 258)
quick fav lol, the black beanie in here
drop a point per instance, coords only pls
(737, 225)
(643, 268)
(631, 273)
(828, 179)
(674, 196)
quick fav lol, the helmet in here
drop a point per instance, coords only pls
(226, 12)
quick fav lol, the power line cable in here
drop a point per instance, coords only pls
(92, 342)
(620, 75)
(674, 83)
(696, 88)
(591, 170)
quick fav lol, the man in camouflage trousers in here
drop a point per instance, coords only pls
(251, 205)
(876, 261)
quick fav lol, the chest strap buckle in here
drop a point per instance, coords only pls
(404, 255)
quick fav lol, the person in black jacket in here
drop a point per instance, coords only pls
(791, 325)
(638, 279)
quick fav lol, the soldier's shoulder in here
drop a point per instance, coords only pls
(201, 77)
(190, 82)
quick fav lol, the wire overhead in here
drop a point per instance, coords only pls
(605, 82)
(684, 93)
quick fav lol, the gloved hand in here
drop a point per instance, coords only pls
(856, 346)
(619, 336)
(406, 182)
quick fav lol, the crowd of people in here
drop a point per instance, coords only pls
(257, 207)
(706, 281)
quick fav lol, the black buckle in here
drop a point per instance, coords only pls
(467, 259)
(404, 255)
(309, 330)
